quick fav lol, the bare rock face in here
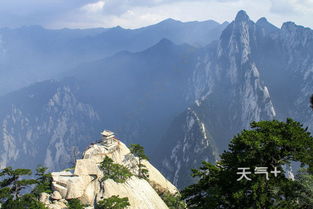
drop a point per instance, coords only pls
(83, 182)
(139, 192)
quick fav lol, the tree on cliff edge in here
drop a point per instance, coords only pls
(43, 182)
(114, 202)
(114, 171)
(138, 151)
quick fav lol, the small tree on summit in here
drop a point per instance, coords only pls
(311, 100)
(139, 152)
(116, 172)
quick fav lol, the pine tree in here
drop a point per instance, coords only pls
(43, 181)
(13, 183)
(269, 144)
(75, 204)
(27, 201)
(306, 188)
(116, 172)
(138, 151)
(106, 167)
(114, 202)
(173, 201)
(12, 189)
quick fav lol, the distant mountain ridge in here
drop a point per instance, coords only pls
(108, 93)
(31, 54)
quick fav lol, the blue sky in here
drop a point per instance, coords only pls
(138, 13)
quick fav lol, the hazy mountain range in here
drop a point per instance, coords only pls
(31, 54)
(180, 89)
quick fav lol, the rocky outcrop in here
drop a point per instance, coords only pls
(83, 182)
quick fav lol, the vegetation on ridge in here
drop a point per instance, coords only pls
(173, 201)
(270, 144)
(43, 181)
(114, 171)
(13, 188)
(114, 202)
(75, 204)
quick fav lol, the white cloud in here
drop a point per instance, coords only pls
(299, 11)
(15, 13)
(138, 13)
(283, 6)
(93, 7)
(141, 14)
(294, 7)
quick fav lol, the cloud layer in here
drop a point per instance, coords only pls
(138, 13)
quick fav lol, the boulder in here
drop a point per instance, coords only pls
(56, 195)
(86, 167)
(44, 198)
(76, 186)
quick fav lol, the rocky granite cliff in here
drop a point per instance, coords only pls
(84, 181)
(254, 72)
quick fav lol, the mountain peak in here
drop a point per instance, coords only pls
(262, 21)
(169, 21)
(266, 25)
(162, 44)
(288, 26)
(242, 16)
(85, 182)
(165, 41)
(291, 26)
(117, 28)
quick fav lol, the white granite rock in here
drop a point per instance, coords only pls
(84, 182)
(56, 195)
(44, 198)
